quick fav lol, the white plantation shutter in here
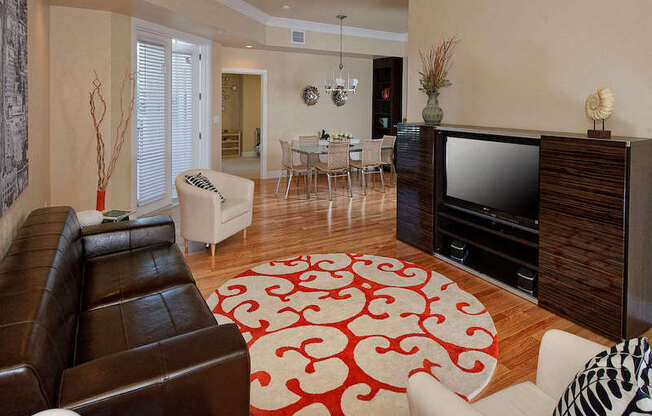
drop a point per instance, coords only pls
(151, 116)
(182, 115)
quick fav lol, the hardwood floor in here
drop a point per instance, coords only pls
(283, 228)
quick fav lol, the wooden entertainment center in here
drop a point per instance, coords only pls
(592, 247)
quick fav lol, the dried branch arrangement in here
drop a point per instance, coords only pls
(98, 113)
(436, 62)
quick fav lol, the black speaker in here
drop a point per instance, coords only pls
(527, 280)
(459, 251)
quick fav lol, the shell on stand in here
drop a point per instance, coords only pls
(600, 104)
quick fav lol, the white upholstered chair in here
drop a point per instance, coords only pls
(204, 218)
(561, 356)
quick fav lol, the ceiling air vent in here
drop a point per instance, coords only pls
(298, 37)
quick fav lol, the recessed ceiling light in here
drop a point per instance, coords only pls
(285, 6)
(249, 46)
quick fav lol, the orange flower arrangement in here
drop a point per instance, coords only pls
(436, 62)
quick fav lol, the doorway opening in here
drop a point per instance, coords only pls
(242, 124)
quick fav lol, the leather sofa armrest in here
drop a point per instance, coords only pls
(428, 397)
(561, 356)
(202, 372)
(115, 237)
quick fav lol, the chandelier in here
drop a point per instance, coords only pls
(337, 84)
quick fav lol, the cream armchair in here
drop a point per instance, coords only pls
(561, 356)
(204, 218)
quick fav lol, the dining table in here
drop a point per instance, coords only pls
(355, 146)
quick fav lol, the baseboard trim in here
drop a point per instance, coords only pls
(249, 154)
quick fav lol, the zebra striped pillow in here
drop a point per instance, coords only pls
(614, 382)
(201, 181)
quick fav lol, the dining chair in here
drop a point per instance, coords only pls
(387, 154)
(310, 141)
(337, 165)
(370, 163)
(291, 165)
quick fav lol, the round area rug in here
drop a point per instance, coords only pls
(339, 334)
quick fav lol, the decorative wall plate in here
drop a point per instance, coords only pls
(310, 95)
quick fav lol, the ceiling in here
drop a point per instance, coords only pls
(385, 15)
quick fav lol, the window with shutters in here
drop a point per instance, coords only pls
(170, 115)
(151, 123)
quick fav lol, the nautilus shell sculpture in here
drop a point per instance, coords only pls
(600, 104)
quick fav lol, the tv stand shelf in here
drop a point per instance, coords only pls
(522, 255)
(592, 241)
(528, 238)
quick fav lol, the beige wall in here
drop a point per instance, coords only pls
(288, 117)
(531, 64)
(37, 193)
(82, 41)
(251, 116)
(119, 193)
(232, 102)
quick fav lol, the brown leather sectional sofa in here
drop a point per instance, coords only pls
(108, 321)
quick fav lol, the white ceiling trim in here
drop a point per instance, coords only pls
(260, 16)
(247, 9)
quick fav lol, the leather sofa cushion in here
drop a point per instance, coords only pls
(124, 236)
(120, 277)
(234, 207)
(123, 326)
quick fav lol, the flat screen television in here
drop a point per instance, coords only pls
(498, 178)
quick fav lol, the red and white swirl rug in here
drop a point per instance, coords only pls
(339, 334)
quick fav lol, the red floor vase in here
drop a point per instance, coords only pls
(101, 195)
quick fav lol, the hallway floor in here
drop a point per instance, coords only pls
(247, 167)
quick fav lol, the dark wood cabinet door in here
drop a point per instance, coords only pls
(582, 231)
(415, 186)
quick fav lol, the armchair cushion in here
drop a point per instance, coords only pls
(429, 397)
(202, 182)
(615, 382)
(524, 399)
(561, 356)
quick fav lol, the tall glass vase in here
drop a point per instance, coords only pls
(432, 113)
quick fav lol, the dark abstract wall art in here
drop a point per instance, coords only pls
(13, 96)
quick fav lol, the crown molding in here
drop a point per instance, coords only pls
(260, 16)
(247, 9)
